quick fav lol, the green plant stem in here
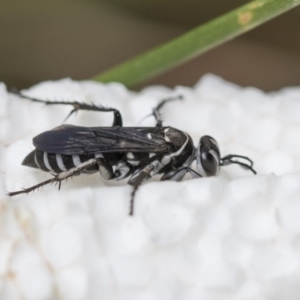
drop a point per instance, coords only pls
(196, 41)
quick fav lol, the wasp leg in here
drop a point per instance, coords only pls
(156, 111)
(78, 106)
(59, 177)
(136, 180)
(177, 175)
(227, 160)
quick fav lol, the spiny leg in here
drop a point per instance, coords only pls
(58, 178)
(78, 106)
(227, 160)
(156, 111)
(136, 180)
(135, 188)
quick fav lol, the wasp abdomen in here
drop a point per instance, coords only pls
(56, 163)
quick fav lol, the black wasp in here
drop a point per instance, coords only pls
(118, 152)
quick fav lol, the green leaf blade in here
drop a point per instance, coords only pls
(196, 41)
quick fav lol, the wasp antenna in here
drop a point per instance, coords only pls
(227, 160)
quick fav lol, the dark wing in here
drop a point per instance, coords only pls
(69, 140)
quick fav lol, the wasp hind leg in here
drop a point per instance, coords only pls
(58, 178)
(78, 106)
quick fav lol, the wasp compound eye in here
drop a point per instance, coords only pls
(208, 157)
(209, 163)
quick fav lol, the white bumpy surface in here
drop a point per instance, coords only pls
(235, 236)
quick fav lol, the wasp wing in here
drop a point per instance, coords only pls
(70, 140)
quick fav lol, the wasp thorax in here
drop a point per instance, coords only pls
(208, 156)
(174, 136)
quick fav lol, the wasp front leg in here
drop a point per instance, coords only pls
(178, 175)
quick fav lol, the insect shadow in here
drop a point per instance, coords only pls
(118, 152)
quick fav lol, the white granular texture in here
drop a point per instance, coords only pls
(235, 236)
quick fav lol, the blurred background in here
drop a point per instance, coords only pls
(43, 40)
